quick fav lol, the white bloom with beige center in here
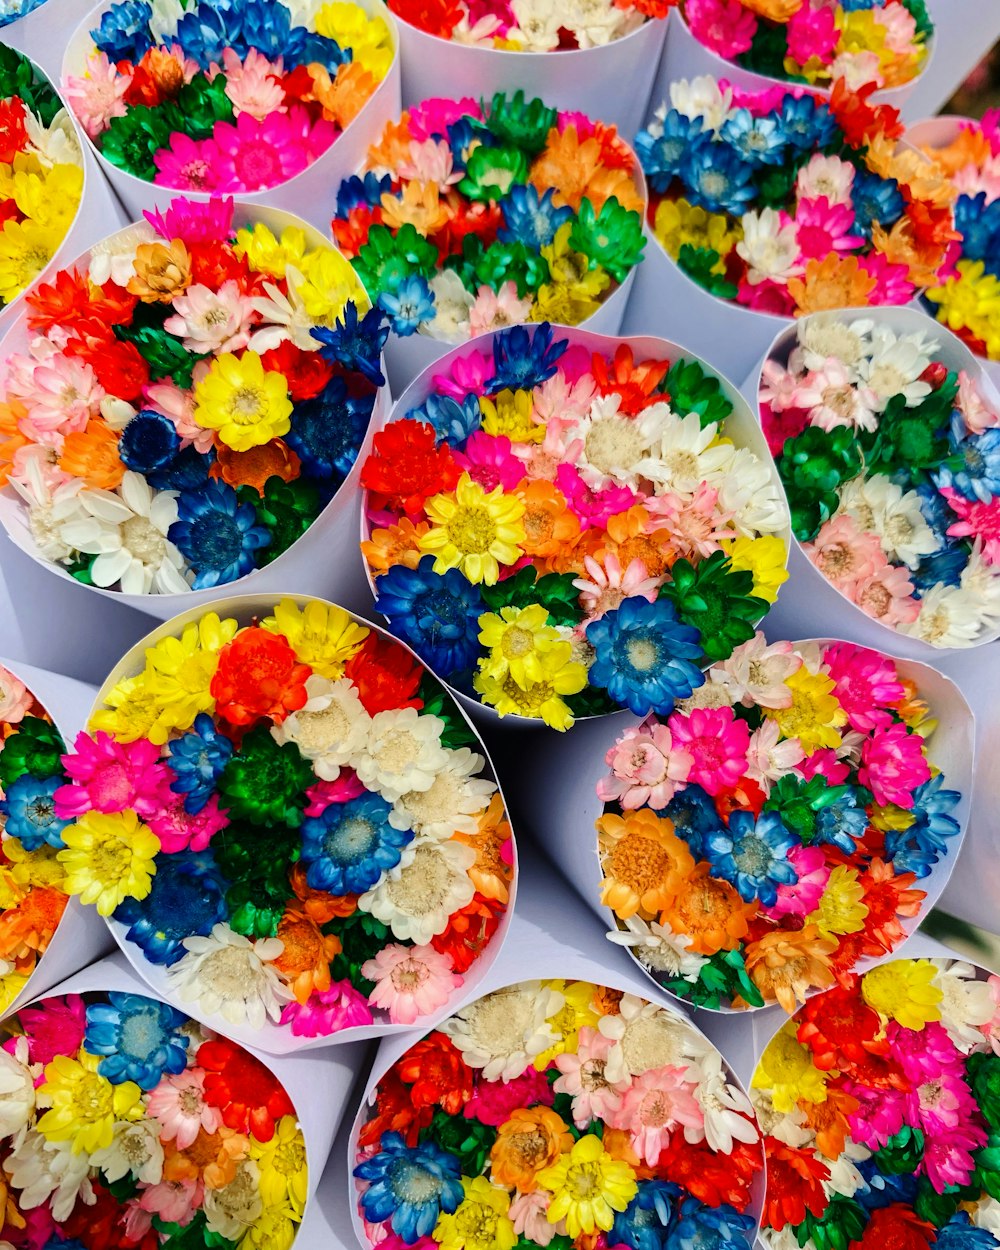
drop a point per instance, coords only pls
(418, 897)
(827, 335)
(226, 973)
(49, 1171)
(501, 1033)
(895, 365)
(658, 948)
(646, 1036)
(687, 454)
(236, 1207)
(329, 729)
(135, 1149)
(451, 803)
(966, 1003)
(612, 448)
(402, 753)
(724, 1106)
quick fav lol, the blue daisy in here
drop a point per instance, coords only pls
(661, 155)
(216, 534)
(701, 1227)
(149, 442)
(758, 140)
(198, 759)
(139, 1037)
(29, 806)
(408, 304)
(356, 343)
(438, 615)
(327, 432)
(753, 855)
(694, 817)
(718, 178)
(409, 1186)
(531, 219)
(186, 898)
(524, 360)
(644, 656)
(123, 34)
(645, 1222)
(875, 199)
(452, 421)
(350, 845)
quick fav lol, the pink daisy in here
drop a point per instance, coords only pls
(97, 97)
(803, 897)
(328, 1011)
(488, 460)
(179, 830)
(494, 310)
(696, 525)
(824, 228)
(977, 520)
(717, 743)
(607, 586)
(188, 164)
(924, 1054)
(948, 1157)
(62, 396)
(178, 1102)
(529, 1215)
(175, 1202)
(654, 1106)
(193, 221)
(433, 117)
(724, 26)
(582, 1076)
(110, 776)
(887, 596)
(468, 375)
(493, 1101)
(592, 507)
(322, 793)
(257, 155)
(892, 281)
(880, 1115)
(893, 765)
(824, 763)
(15, 698)
(410, 981)
(253, 84)
(866, 684)
(812, 34)
(646, 768)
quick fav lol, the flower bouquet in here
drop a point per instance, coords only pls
(879, 1101)
(469, 218)
(289, 824)
(269, 101)
(128, 1126)
(185, 402)
(43, 935)
(775, 203)
(786, 826)
(577, 55)
(562, 524)
(566, 1111)
(887, 444)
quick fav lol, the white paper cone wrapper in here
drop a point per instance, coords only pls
(41, 33)
(272, 1038)
(551, 937)
(312, 194)
(323, 561)
(741, 426)
(612, 82)
(808, 601)
(80, 937)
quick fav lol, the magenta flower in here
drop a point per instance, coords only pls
(948, 1157)
(717, 743)
(766, 297)
(433, 117)
(489, 461)
(824, 763)
(813, 33)
(193, 221)
(593, 507)
(977, 519)
(110, 776)
(328, 1011)
(493, 1101)
(866, 684)
(55, 1027)
(892, 281)
(188, 164)
(257, 155)
(824, 228)
(178, 830)
(941, 1104)
(804, 895)
(724, 26)
(881, 1114)
(323, 793)
(468, 375)
(893, 765)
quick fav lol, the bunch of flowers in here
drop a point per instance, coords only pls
(226, 97)
(880, 1106)
(193, 398)
(562, 1114)
(787, 203)
(530, 26)
(41, 173)
(882, 43)
(968, 301)
(472, 217)
(287, 817)
(126, 1126)
(561, 531)
(766, 837)
(32, 889)
(891, 464)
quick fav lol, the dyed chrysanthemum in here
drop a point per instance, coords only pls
(588, 1186)
(409, 1187)
(473, 530)
(109, 857)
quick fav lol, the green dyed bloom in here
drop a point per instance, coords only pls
(902, 1153)
(554, 591)
(491, 172)
(843, 1221)
(511, 262)
(799, 802)
(256, 859)
(721, 980)
(388, 259)
(698, 263)
(130, 141)
(909, 439)
(983, 1072)
(935, 1208)
(166, 356)
(79, 570)
(612, 239)
(775, 183)
(36, 749)
(469, 1140)
(520, 123)
(717, 601)
(361, 938)
(691, 389)
(19, 77)
(287, 510)
(812, 466)
(919, 13)
(202, 104)
(265, 783)
(987, 1174)
(767, 52)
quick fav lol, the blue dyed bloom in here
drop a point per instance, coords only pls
(216, 534)
(186, 898)
(978, 477)
(875, 199)
(351, 844)
(204, 32)
(463, 136)
(644, 1223)
(124, 31)
(57, 1243)
(437, 615)
(356, 344)
(806, 122)
(198, 758)
(842, 822)
(452, 421)
(357, 192)
(694, 816)
(409, 1186)
(979, 225)
(718, 178)
(961, 1234)
(918, 848)
(186, 471)
(936, 511)
(710, 1228)
(883, 1191)
(408, 304)
(524, 360)
(758, 140)
(661, 155)
(139, 1037)
(753, 855)
(644, 656)
(322, 50)
(943, 567)
(31, 812)
(327, 432)
(150, 441)
(531, 219)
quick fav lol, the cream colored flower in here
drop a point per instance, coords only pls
(451, 803)
(330, 729)
(418, 897)
(501, 1033)
(403, 753)
(226, 973)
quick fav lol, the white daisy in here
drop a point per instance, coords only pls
(284, 316)
(113, 259)
(787, 1126)
(844, 1178)
(165, 19)
(948, 618)
(452, 302)
(538, 23)
(418, 897)
(981, 581)
(769, 247)
(17, 1095)
(135, 1150)
(833, 399)
(987, 1215)
(49, 510)
(756, 672)
(748, 489)
(646, 1036)
(825, 177)
(612, 448)
(895, 365)
(701, 97)
(232, 1210)
(658, 948)
(227, 974)
(897, 519)
(451, 803)
(825, 335)
(501, 1033)
(55, 144)
(402, 753)
(330, 728)
(50, 1171)
(686, 457)
(725, 1107)
(966, 1003)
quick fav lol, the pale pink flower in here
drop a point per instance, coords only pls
(756, 672)
(176, 1202)
(803, 896)
(971, 179)
(138, 1221)
(607, 586)
(973, 407)
(97, 96)
(253, 84)
(64, 395)
(767, 758)
(777, 386)
(844, 554)
(646, 768)
(655, 1105)
(900, 26)
(212, 321)
(410, 981)
(430, 161)
(583, 1077)
(37, 464)
(15, 698)
(495, 310)
(857, 69)
(832, 399)
(825, 177)
(528, 1215)
(887, 596)
(559, 397)
(178, 1102)
(178, 405)
(697, 525)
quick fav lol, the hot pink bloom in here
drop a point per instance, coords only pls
(489, 461)
(328, 1011)
(97, 97)
(824, 763)
(607, 586)
(780, 427)
(645, 766)
(178, 1102)
(322, 793)
(494, 310)
(893, 765)
(766, 297)
(580, 121)
(493, 1101)
(825, 228)
(528, 1215)
(55, 1027)
(813, 34)
(592, 507)
(924, 1054)
(178, 830)
(866, 684)
(389, 1240)
(583, 1078)
(193, 221)
(253, 84)
(410, 981)
(717, 743)
(724, 26)
(188, 164)
(575, 364)
(886, 595)
(110, 776)
(258, 155)
(15, 698)
(655, 1105)
(803, 897)
(63, 395)
(176, 1202)
(977, 520)
(948, 1157)
(761, 102)
(881, 1115)
(468, 375)
(892, 282)
(433, 117)
(843, 553)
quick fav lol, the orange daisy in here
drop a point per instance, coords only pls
(28, 928)
(969, 147)
(829, 1120)
(393, 146)
(11, 438)
(420, 207)
(633, 535)
(92, 454)
(305, 962)
(576, 172)
(710, 912)
(318, 905)
(834, 282)
(162, 272)
(550, 528)
(211, 1158)
(254, 467)
(784, 966)
(344, 96)
(490, 874)
(531, 1140)
(396, 544)
(618, 1143)
(645, 864)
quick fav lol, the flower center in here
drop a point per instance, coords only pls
(752, 856)
(141, 1034)
(714, 183)
(592, 1076)
(840, 400)
(351, 840)
(517, 642)
(472, 530)
(247, 405)
(408, 976)
(584, 1180)
(875, 600)
(654, 1110)
(649, 1043)
(190, 1101)
(398, 750)
(110, 787)
(422, 887)
(412, 1183)
(639, 863)
(92, 1097)
(143, 540)
(318, 732)
(643, 653)
(613, 443)
(229, 973)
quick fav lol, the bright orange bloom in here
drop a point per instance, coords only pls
(550, 528)
(165, 69)
(211, 1157)
(344, 96)
(646, 866)
(71, 295)
(829, 1119)
(860, 122)
(305, 961)
(11, 438)
(258, 675)
(92, 454)
(318, 905)
(710, 912)
(420, 207)
(490, 874)
(393, 146)
(162, 272)
(969, 147)
(834, 282)
(254, 467)
(531, 1140)
(576, 172)
(27, 929)
(397, 544)
(774, 10)
(902, 247)
(633, 536)
(605, 1001)
(887, 896)
(783, 965)
(635, 383)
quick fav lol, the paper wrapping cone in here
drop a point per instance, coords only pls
(321, 562)
(312, 194)
(817, 603)
(586, 80)
(551, 937)
(80, 937)
(741, 426)
(272, 1038)
(319, 1085)
(557, 784)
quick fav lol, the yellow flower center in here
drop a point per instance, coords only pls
(247, 405)
(476, 1222)
(472, 530)
(92, 1097)
(516, 642)
(583, 1180)
(290, 1158)
(423, 886)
